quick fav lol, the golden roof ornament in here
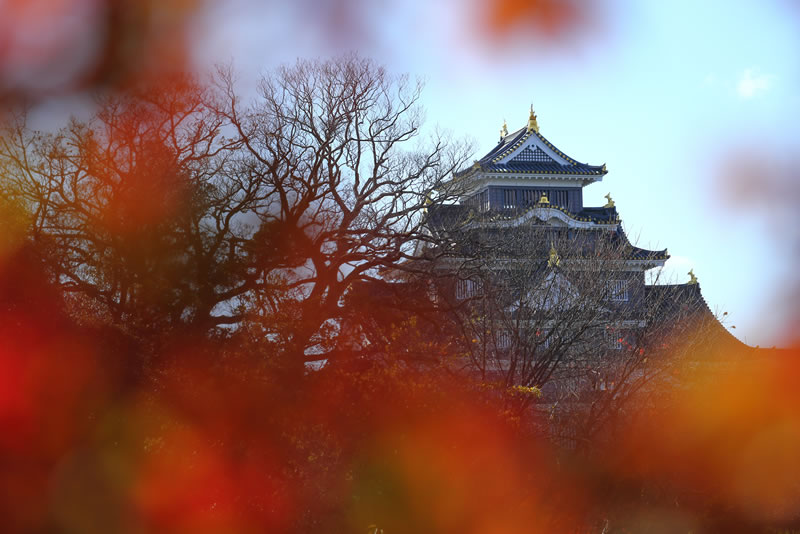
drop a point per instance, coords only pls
(692, 278)
(504, 130)
(610, 203)
(544, 200)
(553, 260)
(532, 124)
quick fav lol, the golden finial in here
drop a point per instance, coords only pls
(610, 203)
(504, 130)
(532, 124)
(692, 278)
(553, 260)
(543, 200)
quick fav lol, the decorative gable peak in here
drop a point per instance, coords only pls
(533, 126)
(553, 259)
(526, 154)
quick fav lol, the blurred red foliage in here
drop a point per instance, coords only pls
(208, 438)
(551, 17)
(59, 46)
(101, 431)
(548, 23)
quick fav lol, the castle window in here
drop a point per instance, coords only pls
(614, 339)
(559, 198)
(543, 338)
(529, 197)
(617, 290)
(479, 201)
(467, 289)
(509, 198)
(503, 340)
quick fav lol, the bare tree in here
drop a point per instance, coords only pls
(180, 205)
(561, 318)
(131, 210)
(340, 187)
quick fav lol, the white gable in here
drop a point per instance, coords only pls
(550, 215)
(528, 154)
(533, 147)
(554, 292)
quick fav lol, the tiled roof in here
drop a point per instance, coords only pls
(638, 253)
(683, 307)
(535, 167)
(599, 214)
(532, 161)
(451, 214)
(454, 217)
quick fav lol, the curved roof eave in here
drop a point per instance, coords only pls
(512, 142)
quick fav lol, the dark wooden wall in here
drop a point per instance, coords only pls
(515, 197)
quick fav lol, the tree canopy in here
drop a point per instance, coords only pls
(180, 206)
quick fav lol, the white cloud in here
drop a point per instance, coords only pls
(752, 83)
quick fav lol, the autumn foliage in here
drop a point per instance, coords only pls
(176, 270)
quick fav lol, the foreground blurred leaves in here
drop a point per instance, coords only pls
(86, 45)
(169, 267)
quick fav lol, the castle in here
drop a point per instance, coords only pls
(550, 293)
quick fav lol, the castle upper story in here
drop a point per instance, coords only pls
(526, 182)
(523, 168)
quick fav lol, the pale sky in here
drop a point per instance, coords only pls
(693, 106)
